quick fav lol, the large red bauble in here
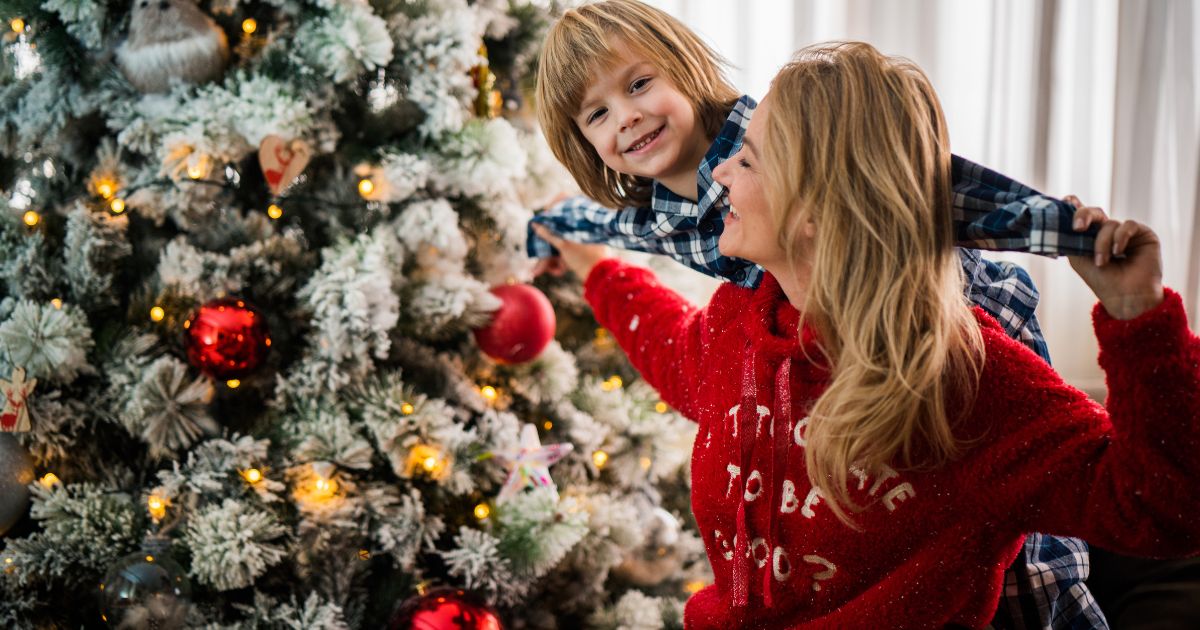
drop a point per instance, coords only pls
(521, 328)
(445, 609)
(227, 338)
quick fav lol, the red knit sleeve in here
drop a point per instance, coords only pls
(658, 329)
(1123, 477)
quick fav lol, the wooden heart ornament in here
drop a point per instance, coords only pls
(282, 161)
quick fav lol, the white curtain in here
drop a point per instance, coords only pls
(1099, 98)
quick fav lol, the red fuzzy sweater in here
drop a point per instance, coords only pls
(934, 544)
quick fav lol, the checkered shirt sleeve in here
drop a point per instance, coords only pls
(672, 234)
(994, 212)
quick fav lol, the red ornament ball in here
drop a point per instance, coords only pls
(227, 338)
(445, 609)
(521, 328)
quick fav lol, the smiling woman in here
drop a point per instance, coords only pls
(865, 461)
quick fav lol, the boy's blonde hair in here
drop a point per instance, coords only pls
(583, 41)
(856, 144)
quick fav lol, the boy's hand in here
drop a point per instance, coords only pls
(552, 265)
(1126, 272)
(578, 257)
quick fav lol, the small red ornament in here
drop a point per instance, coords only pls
(227, 338)
(521, 328)
(445, 609)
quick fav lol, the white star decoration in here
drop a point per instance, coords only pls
(529, 464)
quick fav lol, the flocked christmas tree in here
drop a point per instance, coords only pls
(243, 249)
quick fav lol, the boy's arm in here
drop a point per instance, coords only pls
(582, 220)
(994, 212)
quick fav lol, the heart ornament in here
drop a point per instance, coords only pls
(282, 161)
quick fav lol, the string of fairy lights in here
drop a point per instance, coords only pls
(318, 484)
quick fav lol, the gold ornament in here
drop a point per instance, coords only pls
(488, 102)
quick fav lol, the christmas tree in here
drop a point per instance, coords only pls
(251, 256)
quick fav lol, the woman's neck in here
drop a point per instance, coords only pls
(793, 280)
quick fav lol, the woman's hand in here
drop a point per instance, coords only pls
(1126, 271)
(578, 257)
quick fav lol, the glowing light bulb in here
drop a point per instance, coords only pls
(274, 211)
(157, 314)
(482, 511)
(17, 25)
(695, 586)
(249, 25)
(364, 554)
(489, 393)
(57, 303)
(547, 425)
(195, 171)
(117, 206)
(252, 475)
(661, 407)
(49, 480)
(157, 506)
(233, 383)
(407, 409)
(365, 187)
(324, 488)
(105, 189)
(646, 463)
(32, 218)
(599, 458)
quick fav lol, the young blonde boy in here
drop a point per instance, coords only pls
(638, 109)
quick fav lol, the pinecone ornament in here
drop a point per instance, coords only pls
(171, 39)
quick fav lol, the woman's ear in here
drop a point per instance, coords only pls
(808, 227)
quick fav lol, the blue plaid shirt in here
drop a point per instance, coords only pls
(1044, 586)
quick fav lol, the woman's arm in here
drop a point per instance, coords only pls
(659, 330)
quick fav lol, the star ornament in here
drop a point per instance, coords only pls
(15, 414)
(529, 464)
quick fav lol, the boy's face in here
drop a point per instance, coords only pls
(641, 125)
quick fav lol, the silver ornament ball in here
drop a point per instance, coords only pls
(16, 473)
(146, 590)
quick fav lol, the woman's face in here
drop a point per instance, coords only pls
(750, 232)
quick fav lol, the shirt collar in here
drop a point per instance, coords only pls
(708, 191)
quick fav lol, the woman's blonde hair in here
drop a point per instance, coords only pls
(585, 40)
(856, 146)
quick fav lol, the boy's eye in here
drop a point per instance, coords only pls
(594, 116)
(638, 84)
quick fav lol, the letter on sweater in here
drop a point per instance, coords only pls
(780, 565)
(732, 415)
(734, 472)
(813, 498)
(790, 502)
(899, 493)
(754, 475)
(887, 473)
(726, 548)
(760, 543)
(763, 412)
(800, 426)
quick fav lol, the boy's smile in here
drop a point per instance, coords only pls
(640, 124)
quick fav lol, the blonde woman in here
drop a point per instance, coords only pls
(872, 450)
(638, 109)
